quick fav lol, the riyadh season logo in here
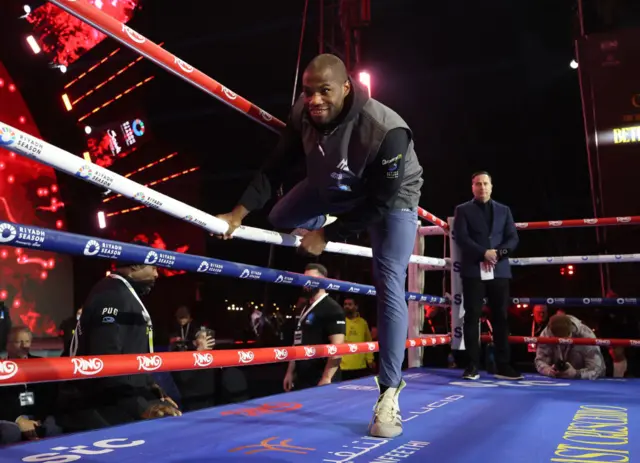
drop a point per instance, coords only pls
(85, 171)
(160, 259)
(208, 267)
(95, 248)
(7, 233)
(7, 136)
(192, 219)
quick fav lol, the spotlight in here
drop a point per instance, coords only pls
(87, 130)
(573, 64)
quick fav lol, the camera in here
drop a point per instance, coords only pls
(560, 365)
(179, 346)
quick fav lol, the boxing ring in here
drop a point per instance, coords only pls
(538, 419)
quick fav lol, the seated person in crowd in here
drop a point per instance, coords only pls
(185, 332)
(26, 410)
(197, 387)
(569, 361)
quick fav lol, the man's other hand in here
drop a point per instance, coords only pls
(491, 255)
(313, 242)
(233, 221)
(287, 384)
(160, 410)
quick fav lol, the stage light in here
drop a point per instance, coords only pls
(63, 68)
(27, 9)
(102, 222)
(34, 45)
(67, 102)
(573, 64)
(365, 79)
(87, 130)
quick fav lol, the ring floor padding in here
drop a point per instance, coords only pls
(446, 420)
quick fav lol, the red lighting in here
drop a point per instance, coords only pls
(104, 105)
(12, 88)
(4, 254)
(3, 295)
(155, 182)
(54, 188)
(103, 83)
(17, 303)
(43, 275)
(59, 224)
(65, 38)
(2, 166)
(22, 119)
(151, 164)
(11, 179)
(1, 83)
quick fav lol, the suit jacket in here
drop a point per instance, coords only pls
(474, 237)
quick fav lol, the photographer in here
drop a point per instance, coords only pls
(569, 361)
(196, 387)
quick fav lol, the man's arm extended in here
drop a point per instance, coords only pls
(270, 176)
(384, 177)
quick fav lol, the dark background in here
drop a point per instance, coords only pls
(483, 85)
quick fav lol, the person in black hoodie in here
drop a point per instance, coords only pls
(363, 174)
(115, 321)
(26, 410)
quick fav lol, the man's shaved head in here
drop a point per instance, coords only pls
(322, 63)
(326, 84)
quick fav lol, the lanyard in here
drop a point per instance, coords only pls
(185, 332)
(145, 314)
(309, 309)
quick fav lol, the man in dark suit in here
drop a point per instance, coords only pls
(486, 234)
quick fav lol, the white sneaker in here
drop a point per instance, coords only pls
(329, 219)
(386, 421)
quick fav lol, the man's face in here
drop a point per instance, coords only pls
(324, 95)
(310, 292)
(539, 314)
(350, 306)
(481, 187)
(183, 321)
(19, 346)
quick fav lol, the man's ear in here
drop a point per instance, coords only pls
(346, 87)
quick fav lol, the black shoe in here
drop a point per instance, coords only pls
(471, 373)
(508, 373)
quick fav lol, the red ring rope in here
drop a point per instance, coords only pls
(574, 341)
(69, 368)
(601, 222)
